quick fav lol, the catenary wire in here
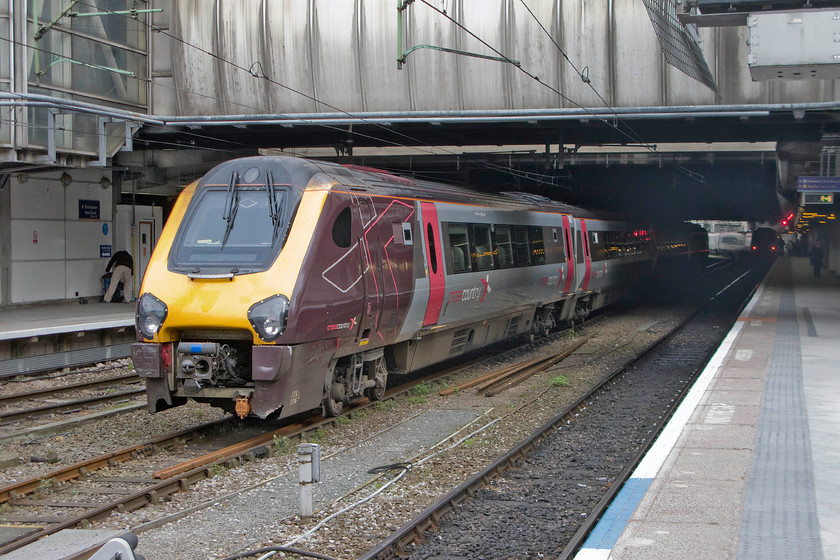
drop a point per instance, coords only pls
(261, 75)
(691, 174)
(337, 109)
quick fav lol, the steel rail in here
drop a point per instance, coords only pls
(180, 477)
(598, 511)
(84, 468)
(10, 417)
(395, 546)
(498, 385)
(52, 391)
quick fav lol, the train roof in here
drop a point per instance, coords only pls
(396, 185)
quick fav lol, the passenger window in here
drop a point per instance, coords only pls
(459, 248)
(537, 248)
(579, 247)
(341, 232)
(482, 257)
(503, 247)
(430, 234)
(597, 249)
(521, 248)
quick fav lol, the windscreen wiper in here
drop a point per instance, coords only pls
(231, 205)
(273, 205)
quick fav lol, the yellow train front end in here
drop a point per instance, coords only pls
(214, 304)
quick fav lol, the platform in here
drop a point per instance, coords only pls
(52, 336)
(746, 468)
(57, 318)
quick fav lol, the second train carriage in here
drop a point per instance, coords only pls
(281, 284)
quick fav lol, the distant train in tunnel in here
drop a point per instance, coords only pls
(733, 244)
(281, 285)
(765, 242)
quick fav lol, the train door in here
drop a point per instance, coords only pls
(570, 254)
(370, 247)
(584, 255)
(434, 263)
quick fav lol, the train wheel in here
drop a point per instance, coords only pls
(332, 407)
(380, 374)
(333, 403)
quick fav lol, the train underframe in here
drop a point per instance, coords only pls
(230, 372)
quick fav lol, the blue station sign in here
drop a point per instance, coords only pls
(822, 184)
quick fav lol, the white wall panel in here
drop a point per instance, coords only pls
(584, 40)
(37, 281)
(289, 57)
(434, 76)
(385, 88)
(55, 245)
(733, 75)
(195, 22)
(635, 83)
(542, 56)
(85, 238)
(680, 89)
(243, 50)
(37, 198)
(343, 54)
(485, 83)
(37, 240)
(84, 278)
(335, 55)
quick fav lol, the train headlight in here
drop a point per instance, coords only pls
(151, 313)
(268, 317)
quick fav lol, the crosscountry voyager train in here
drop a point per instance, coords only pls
(280, 285)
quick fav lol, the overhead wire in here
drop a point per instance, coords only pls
(261, 75)
(634, 139)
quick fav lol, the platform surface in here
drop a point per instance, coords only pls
(48, 319)
(746, 468)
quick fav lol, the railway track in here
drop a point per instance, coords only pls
(465, 521)
(80, 397)
(183, 474)
(79, 495)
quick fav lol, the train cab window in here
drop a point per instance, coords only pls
(503, 247)
(459, 248)
(521, 247)
(341, 229)
(245, 238)
(535, 234)
(430, 235)
(482, 257)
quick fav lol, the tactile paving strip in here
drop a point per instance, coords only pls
(780, 509)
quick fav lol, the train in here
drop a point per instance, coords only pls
(282, 285)
(765, 243)
(732, 244)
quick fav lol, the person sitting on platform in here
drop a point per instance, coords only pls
(123, 271)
